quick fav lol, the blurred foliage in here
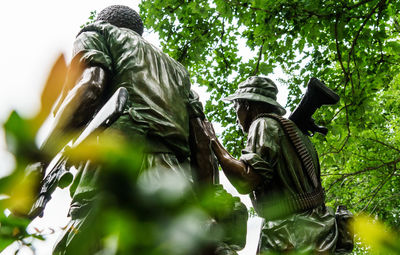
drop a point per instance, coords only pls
(18, 190)
(152, 213)
(158, 211)
(13, 228)
(375, 237)
(351, 45)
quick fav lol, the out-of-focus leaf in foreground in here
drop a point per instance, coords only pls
(376, 235)
(11, 229)
(51, 90)
(20, 187)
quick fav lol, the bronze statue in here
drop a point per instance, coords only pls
(280, 170)
(155, 108)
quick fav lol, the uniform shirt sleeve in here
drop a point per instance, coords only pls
(262, 149)
(91, 48)
(195, 107)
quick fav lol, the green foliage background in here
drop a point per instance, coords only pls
(351, 45)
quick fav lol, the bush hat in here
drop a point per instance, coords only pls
(260, 89)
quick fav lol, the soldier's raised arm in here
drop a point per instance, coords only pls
(77, 108)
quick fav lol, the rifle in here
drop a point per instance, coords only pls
(58, 174)
(317, 94)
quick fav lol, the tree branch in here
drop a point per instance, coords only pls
(337, 113)
(357, 4)
(184, 52)
(338, 52)
(367, 169)
(384, 144)
(226, 62)
(259, 58)
(173, 9)
(376, 191)
(360, 29)
(301, 11)
(346, 80)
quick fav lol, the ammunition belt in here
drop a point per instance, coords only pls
(282, 207)
(302, 201)
(290, 130)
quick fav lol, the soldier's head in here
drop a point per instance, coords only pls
(122, 16)
(254, 96)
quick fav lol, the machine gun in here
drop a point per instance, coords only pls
(58, 174)
(317, 94)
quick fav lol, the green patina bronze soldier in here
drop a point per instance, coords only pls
(161, 114)
(280, 170)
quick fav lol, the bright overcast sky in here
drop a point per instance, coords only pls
(34, 33)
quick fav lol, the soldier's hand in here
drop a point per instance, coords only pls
(209, 130)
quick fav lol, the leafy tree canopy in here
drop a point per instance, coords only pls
(351, 45)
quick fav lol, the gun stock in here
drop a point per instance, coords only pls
(317, 94)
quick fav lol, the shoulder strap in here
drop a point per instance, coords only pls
(305, 157)
(302, 201)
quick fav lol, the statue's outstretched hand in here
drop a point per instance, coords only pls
(209, 130)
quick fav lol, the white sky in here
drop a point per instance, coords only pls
(34, 33)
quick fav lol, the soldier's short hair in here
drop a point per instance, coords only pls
(122, 16)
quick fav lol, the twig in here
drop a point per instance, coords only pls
(367, 169)
(357, 4)
(339, 53)
(379, 188)
(259, 58)
(384, 144)
(360, 29)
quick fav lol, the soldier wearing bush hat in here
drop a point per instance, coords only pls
(271, 172)
(259, 89)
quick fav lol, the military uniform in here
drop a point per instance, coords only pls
(157, 114)
(156, 118)
(288, 194)
(158, 108)
(271, 154)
